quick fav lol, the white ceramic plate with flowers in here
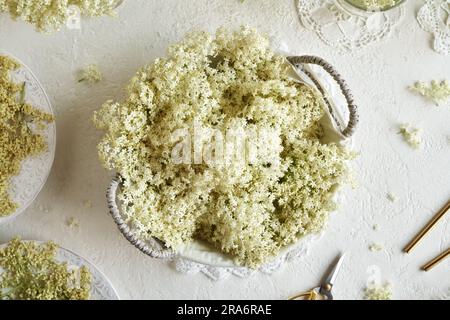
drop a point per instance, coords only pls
(25, 187)
(101, 287)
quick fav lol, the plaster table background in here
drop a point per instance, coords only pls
(378, 75)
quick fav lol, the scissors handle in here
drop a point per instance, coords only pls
(309, 295)
(325, 291)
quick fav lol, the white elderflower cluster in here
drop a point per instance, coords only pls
(248, 209)
(376, 247)
(50, 15)
(91, 74)
(411, 135)
(438, 92)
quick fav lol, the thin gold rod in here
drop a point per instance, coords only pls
(430, 265)
(427, 228)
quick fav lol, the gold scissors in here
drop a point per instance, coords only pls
(323, 292)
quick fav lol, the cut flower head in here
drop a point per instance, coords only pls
(251, 200)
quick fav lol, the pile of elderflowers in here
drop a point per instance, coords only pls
(18, 140)
(50, 15)
(30, 271)
(248, 208)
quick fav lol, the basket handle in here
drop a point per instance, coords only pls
(111, 195)
(299, 61)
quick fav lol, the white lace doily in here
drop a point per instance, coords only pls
(101, 287)
(434, 17)
(26, 186)
(188, 266)
(344, 27)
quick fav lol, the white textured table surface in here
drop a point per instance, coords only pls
(378, 75)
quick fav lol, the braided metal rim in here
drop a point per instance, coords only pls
(111, 193)
(299, 61)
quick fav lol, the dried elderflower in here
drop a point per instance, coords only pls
(17, 139)
(30, 271)
(232, 82)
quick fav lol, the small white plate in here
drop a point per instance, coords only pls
(25, 187)
(101, 287)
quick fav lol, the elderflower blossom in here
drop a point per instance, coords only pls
(438, 92)
(411, 135)
(249, 210)
(91, 74)
(48, 16)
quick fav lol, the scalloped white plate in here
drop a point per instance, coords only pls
(102, 289)
(25, 187)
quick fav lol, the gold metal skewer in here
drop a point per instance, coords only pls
(430, 265)
(427, 228)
